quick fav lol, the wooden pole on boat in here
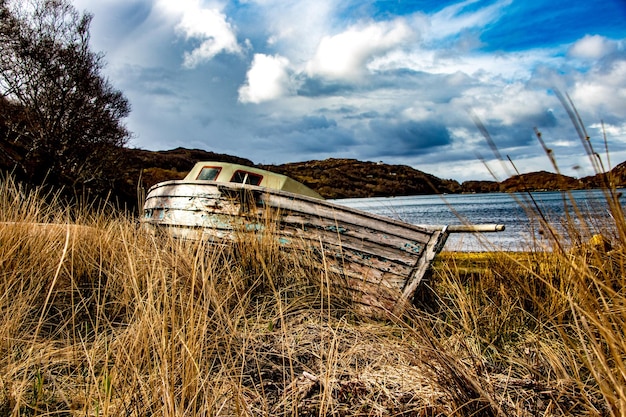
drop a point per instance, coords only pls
(469, 228)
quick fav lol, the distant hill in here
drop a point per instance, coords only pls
(334, 178)
(346, 178)
(549, 181)
(540, 181)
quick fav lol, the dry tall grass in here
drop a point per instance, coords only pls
(99, 318)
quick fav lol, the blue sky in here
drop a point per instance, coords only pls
(393, 81)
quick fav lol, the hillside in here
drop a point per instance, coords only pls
(351, 178)
(347, 178)
(540, 181)
(332, 178)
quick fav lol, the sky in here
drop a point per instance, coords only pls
(402, 82)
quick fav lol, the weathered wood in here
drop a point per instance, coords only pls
(380, 261)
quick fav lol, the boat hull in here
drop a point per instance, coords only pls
(381, 261)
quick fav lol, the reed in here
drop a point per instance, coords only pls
(99, 317)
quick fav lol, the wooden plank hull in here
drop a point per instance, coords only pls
(381, 261)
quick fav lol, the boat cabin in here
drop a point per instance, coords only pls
(228, 172)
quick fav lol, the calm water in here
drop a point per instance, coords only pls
(522, 229)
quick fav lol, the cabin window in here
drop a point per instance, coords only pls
(244, 177)
(209, 173)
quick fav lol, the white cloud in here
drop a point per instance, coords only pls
(592, 47)
(602, 93)
(510, 104)
(295, 27)
(208, 25)
(512, 66)
(449, 44)
(618, 130)
(454, 19)
(344, 56)
(267, 79)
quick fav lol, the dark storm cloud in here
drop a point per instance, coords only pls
(507, 137)
(328, 143)
(408, 137)
(317, 87)
(303, 125)
(317, 137)
(521, 133)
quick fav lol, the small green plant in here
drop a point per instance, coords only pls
(38, 385)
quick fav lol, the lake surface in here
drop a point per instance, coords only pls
(523, 230)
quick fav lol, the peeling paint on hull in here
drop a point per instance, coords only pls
(382, 261)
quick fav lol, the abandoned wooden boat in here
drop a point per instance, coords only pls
(381, 261)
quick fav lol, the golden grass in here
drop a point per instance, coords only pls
(98, 317)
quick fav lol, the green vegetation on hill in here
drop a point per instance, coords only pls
(540, 181)
(332, 178)
(350, 178)
(345, 178)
